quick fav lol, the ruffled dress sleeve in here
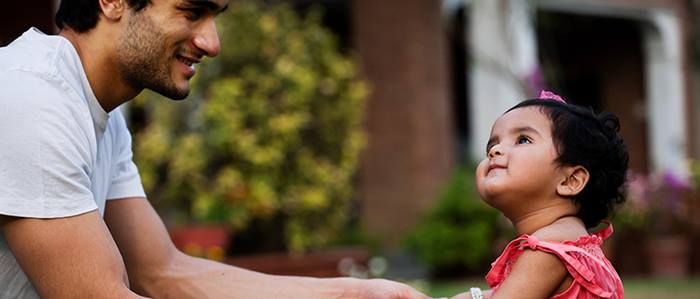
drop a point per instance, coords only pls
(594, 276)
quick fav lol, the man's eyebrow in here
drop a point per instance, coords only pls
(213, 6)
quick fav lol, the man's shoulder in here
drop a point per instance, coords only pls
(32, 71)
(32, 51)
(39, 57)
(32, 90)
(33, 103)
(28, 72)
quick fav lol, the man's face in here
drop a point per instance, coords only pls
(162, 43)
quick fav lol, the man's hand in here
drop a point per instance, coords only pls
(467, 295)
(157, 269)
(386, 289)
(464, 295)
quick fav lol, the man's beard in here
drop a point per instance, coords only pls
(142, 61)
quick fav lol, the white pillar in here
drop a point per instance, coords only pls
(665, 90)
(504, 54)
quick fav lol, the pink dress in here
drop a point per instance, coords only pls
(594, 276)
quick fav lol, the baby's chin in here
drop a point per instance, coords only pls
(491, 194)
(486, 195)
(490, 186)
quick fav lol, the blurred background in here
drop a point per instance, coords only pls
(339, 137)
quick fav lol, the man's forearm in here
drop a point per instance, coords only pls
(189, 277)
(157, 269)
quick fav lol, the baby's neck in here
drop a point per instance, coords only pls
(533, 221)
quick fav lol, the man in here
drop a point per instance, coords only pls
(74, 217)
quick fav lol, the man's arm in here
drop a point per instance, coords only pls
(72, 257)
(156, 268)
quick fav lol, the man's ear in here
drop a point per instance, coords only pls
(574, 182)
(113, 9)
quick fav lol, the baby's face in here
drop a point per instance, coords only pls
(520, 160)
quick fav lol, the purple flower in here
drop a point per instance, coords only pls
(676, 182)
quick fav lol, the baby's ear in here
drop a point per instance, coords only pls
(574, 182)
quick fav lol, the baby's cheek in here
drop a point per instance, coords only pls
(479, 176)
(481, 168)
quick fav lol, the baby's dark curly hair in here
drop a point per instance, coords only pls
(591, 140)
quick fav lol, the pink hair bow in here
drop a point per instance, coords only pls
(545, 94)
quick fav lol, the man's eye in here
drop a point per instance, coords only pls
(193, 13)
(523, 140)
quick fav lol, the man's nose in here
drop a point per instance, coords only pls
(207, 39)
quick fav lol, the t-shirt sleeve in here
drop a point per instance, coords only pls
(45, 154)
(125, 181)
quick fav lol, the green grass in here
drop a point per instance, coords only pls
(635, 288)
(643, 288)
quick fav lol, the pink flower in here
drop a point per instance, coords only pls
(545, 94)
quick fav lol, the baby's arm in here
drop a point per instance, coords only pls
(535, 275)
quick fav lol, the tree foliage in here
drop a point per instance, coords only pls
(456, 236)
(272, 129)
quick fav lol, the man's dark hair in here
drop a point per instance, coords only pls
(583, 137)
(82, 15)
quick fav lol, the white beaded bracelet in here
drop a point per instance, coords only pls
(476, 293)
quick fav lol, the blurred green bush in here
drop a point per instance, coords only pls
(271, 132)
(457, 236)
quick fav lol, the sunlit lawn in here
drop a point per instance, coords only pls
(635, 288)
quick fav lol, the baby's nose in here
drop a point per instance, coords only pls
(495, 151)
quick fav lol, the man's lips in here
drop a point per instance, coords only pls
(188, 60)
(188, 63)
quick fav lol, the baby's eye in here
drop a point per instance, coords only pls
(523, 140)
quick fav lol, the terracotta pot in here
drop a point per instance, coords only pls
(204, 241)
(669, 256)
(323, 263)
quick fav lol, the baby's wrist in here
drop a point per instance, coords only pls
(476, 293)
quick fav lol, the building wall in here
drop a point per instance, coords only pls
(667, 90)
(17, 16)
(665, 82)
(410, 150)
(599, 62)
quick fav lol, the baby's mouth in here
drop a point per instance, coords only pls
(494, 169)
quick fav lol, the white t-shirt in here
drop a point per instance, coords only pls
(61, 154)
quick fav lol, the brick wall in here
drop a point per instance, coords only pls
(410, 152)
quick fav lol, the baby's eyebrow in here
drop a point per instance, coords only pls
(517, 130)
(525, 129)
